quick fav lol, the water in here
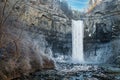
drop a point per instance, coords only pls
(101, 55)
(77, 41)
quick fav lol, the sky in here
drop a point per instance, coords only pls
(78, 4)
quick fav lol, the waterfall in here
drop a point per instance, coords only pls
(77, 41)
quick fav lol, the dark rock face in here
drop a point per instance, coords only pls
(104, 34)
(102, 27)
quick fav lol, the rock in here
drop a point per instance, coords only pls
(48, 64)
(117, 77)
(112, 70)
(117, 60)
(102, 27)
(91, 79)
(102, 77)
(105, 9)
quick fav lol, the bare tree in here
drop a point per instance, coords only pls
(4, 17)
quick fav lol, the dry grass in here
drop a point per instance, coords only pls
(19, 59)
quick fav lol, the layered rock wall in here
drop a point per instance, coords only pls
(102, 28)
(31, 32)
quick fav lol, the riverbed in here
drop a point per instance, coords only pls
(67, 71)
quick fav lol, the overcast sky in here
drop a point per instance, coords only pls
(78, 4)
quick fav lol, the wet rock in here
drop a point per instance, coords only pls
(117, 77)
(113, 70)
(117, 60)
(91, 79)
(102, 77)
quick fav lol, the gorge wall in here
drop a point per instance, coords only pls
(30, 32)
(102, 29)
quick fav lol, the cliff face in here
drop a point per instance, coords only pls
(104, 13)
(48, 17)
(102, 25)
(30, 31)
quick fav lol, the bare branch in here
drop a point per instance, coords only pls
(9, 13)
(5, 3)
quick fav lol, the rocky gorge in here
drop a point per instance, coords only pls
(36, 41)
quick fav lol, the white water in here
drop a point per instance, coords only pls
(77, 41)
